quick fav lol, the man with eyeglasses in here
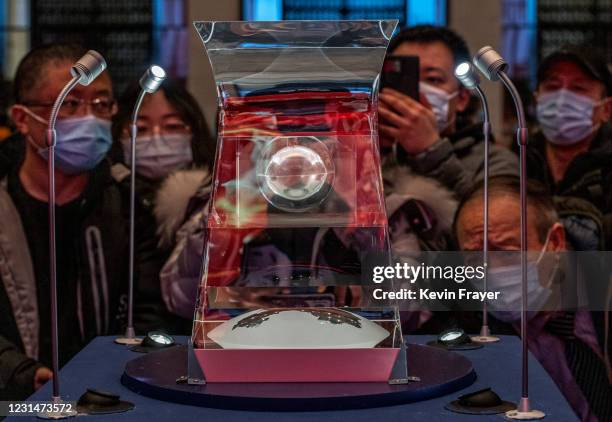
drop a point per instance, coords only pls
(91, 234)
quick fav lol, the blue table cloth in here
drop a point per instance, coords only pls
(101, 364)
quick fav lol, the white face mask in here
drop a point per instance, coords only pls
(507, 280)
(565, 117)
(159, 155)
(439, 100)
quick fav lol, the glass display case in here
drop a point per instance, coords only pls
(297, 217)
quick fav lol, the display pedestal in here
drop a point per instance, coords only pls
(279, 365)
(441, 372)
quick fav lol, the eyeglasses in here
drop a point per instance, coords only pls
(101, 107)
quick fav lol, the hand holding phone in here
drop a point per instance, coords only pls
(405, 118)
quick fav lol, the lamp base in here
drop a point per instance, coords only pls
(63, 414)
(530, 415)
(485, 336)
(485, 339)
(129, 338)
(524, 412)
(133, 341)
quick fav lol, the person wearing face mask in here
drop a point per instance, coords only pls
(431, 136)
(571, 153)
(91, 231)
(567, 338)
(174, 152)
(431, 155)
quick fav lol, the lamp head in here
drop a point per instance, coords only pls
(88, 67)
(467, 75)
(152, 78)
(489, 62)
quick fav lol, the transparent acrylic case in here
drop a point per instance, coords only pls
(297, 216)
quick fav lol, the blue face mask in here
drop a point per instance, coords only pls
(82, 142)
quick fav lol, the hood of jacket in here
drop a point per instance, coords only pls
(401, 184)
(172, 200)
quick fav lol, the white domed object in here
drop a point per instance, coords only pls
(298, 328)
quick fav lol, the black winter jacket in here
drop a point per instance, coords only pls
(588, 176)
(102, 286)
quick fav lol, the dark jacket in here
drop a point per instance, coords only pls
(102, 287)
(160, 208)
(588, 176)
(457, 162)
(11, 151)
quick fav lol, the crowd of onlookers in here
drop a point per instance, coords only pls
(432, 151)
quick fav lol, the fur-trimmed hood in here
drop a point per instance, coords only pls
(407, 185)
(172, 199)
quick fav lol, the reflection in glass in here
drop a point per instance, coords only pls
(297, 217)
(295, 175)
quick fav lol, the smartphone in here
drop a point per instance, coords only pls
(402, 74)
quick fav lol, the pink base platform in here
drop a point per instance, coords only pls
(296, 365)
